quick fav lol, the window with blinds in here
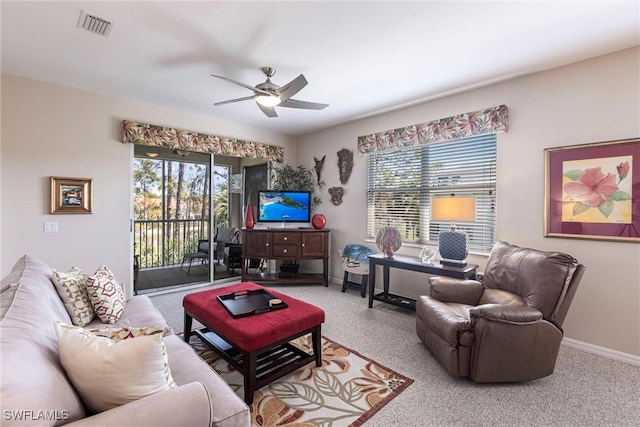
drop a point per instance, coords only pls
(400, 185)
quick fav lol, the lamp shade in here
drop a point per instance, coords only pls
(453, 245)
(453, 208)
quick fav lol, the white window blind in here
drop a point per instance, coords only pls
(400, 185)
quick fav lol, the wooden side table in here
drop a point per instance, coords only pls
(410, 263)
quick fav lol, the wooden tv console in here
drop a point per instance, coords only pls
(286, 245)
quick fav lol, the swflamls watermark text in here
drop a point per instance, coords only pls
(35, 415)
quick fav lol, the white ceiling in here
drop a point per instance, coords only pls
(360, 57)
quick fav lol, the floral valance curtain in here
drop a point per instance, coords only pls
(490, 120)
(160, 136)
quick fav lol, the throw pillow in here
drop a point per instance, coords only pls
(120, 334)
(106, 294)
(72, 288)
(108, 373)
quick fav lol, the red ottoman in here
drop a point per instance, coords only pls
(258, 345)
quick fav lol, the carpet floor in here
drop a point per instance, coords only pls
(347, 389)
(585, 389)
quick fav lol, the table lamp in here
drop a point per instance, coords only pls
(453, 245)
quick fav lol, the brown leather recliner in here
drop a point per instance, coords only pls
(507, 328)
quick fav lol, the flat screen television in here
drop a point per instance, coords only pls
(284, 206)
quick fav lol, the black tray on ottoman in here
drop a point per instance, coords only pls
(249, 302)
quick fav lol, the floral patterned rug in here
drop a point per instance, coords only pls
(347, 389)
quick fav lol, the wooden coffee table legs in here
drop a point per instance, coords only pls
(316, 338)
(263, 365)
(188, 322)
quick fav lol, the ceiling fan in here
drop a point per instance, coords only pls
(269, 95)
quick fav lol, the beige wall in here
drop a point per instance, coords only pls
(590, 101)
(50, 130)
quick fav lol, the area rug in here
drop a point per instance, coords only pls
(346, 390)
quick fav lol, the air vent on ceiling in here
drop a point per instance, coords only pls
(94, 24)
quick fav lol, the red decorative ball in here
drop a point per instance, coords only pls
(318, 221)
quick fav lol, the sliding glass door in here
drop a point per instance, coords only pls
(188, 211)
(172, 217)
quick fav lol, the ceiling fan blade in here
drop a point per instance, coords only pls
(246, 98)
(291, 88)
(294, 103)
(268, 111)
(255, 89)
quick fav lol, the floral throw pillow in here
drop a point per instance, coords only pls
(72, 288)
(106, 294)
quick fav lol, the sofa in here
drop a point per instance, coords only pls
(36, 389)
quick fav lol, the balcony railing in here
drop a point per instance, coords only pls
(160, 243)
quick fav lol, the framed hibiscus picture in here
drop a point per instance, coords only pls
(592, 191)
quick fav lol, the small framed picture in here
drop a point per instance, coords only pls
(71, 195)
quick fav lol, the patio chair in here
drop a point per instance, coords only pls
(233, 256)
(223, 236)
(202, 254)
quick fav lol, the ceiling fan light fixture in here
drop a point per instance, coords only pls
(268, 100)
(268, 95)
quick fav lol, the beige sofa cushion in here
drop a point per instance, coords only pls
(111, 372)
(9, 285)
(138, 312)
(32, 377)
(72, 288)
(107, 295)
(228, 409)
(14, 275)
(6, 298)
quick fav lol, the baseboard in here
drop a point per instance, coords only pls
(578, 345)
(602, 351)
